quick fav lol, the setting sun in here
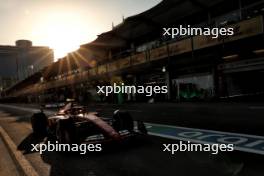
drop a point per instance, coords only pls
(63, 32)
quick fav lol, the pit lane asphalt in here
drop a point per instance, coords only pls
(144, 158)
(7, 165)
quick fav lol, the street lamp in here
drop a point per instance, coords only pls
(31, 68)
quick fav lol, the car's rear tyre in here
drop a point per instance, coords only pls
(66, 132)
(39, 123)
(122, 120)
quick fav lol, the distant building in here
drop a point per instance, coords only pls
(22, 60)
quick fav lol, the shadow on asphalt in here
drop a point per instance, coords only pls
(26, 145)
(144, 156)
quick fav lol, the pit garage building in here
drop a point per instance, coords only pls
(135, 52)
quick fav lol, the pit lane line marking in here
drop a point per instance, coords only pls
(242, 142)
(175, 132)
(17, 156)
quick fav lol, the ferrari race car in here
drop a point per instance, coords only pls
(76, 124)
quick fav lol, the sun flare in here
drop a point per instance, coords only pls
(63, 32)
(63, 39)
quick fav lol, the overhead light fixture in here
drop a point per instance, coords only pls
(258, 51)
(163, 69)
(41, 79)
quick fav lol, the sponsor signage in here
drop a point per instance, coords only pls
(246, 28)
(102, 69)
(243, 29)
(202, 41)
(138, 58)
(93, 71)
(112, 66)
(158, 53)
(180, 47)
(123, 63)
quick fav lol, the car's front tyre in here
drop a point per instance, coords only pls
(122, 120)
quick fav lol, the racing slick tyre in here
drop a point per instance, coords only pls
(123, 121)
(66, 132)
(39, 123)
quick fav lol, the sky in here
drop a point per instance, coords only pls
(63, 25)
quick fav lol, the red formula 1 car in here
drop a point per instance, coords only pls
(76, 124)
